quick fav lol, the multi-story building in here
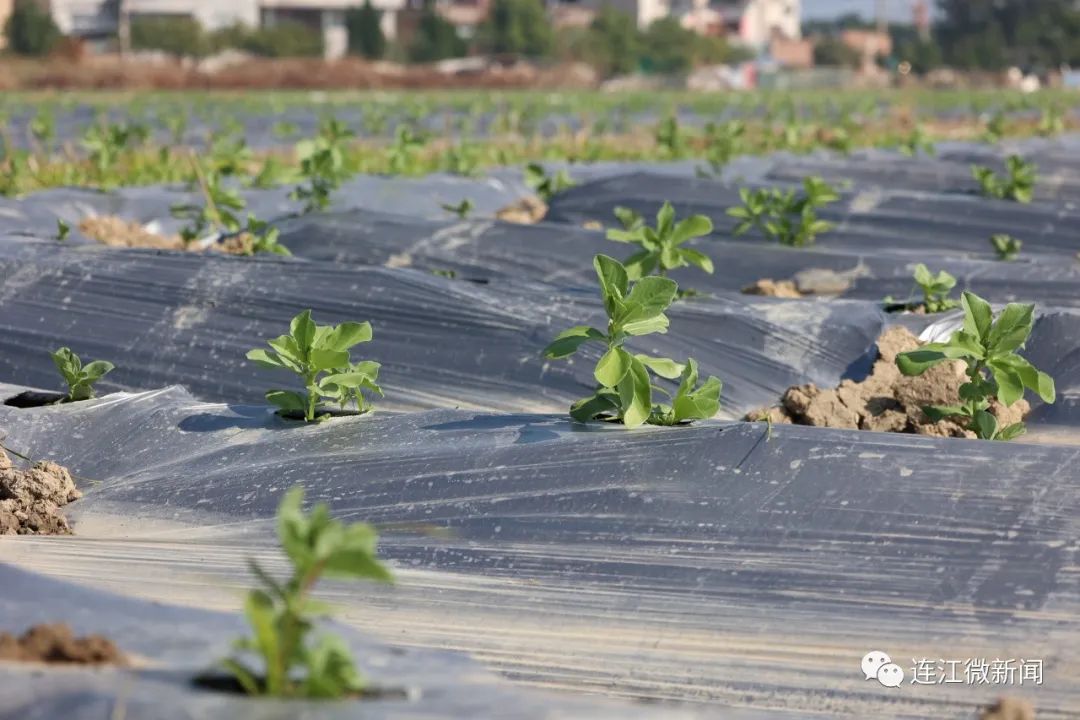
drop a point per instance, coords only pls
(97, 19)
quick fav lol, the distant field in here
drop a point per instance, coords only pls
(114, 139)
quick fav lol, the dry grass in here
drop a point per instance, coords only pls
(111, 73)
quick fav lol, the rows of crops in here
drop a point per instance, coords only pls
(695, 401)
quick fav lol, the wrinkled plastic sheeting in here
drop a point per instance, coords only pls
(502, 254)
(176, 644)
(177, 318)
(37, 214)
(868, 220)
(712, 562)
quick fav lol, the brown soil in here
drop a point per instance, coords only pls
(1007, 708)
(773, 288)
(529, 210)
(30, 500)
(102, 72)
(118, 232)
(887, 401)
(56, 644)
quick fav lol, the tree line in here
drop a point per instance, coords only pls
(612, 43)
(968, 34)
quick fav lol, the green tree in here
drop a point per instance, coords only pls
(435, 38)
(833, 52)
(993, 34)
(669, 47)
(924, 55)
(519, 27)
(283, 39)
(179, 36)
(613, 43)
(30, 29)
(364, 26)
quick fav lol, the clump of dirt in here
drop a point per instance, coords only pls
(30, 500)
(117, 232)
(529, 210)
(886, 401)
(57, 644)
(773, 288)
(1008, 708)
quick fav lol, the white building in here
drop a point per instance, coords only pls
(97, 19)
(759, 20)
(211, 14)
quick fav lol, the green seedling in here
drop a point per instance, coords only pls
(274, 172)
(995, 128)
(285, 129)
(722, 143)
(1051, 122)
(403, 152)
(789, 217)
(669, 137)
(229, 154)
(1006, 247)
(319, 354)
(629, 218)
(462, 209)
(63, 229)
(219, 211)
(322, 165)
(463, 159)
(994, 369)
(105, 143)
(625, 388)
(176, 122)
(546, 187)
(935, 289)
(43, 128)
(1018, 183)
(918, 141)
(80, 378)
(264, 238)
(282, 615)
(661, 247)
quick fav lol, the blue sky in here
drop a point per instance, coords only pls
(815, 9)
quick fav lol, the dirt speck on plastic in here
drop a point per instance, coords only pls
(773, 288)
(56, 644)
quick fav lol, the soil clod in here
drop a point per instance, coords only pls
(30, 500)
(1008, 708)
(56, 644)
(886, 401)
(773, 288)
(529, 210)
(117, 232)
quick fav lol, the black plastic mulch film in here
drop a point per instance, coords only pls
(719, 563)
